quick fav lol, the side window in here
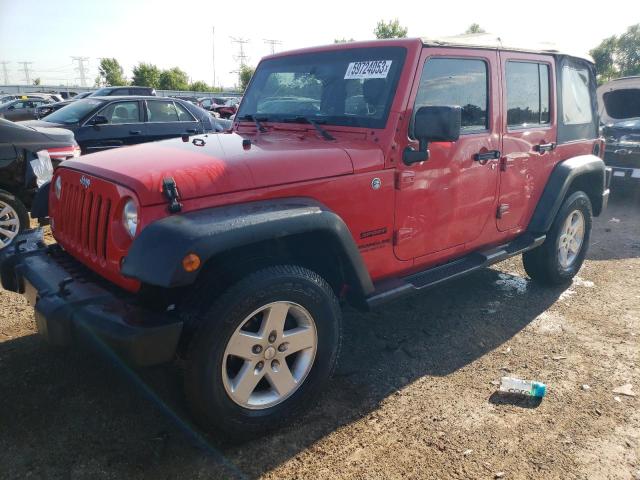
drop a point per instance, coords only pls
(456, 81)
(183, 114)
(576, 100)
(121, 112)
(161, 111)
(21, 105)
(527, 94)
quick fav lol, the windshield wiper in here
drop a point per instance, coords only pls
(256, 120)
(300, 119)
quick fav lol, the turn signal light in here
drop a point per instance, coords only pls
(191, 262)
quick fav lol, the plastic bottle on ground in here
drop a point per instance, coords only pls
(522, 387)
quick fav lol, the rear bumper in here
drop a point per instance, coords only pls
(69, 308)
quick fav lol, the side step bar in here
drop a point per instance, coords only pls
(388, 290)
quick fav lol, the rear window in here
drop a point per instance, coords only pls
(621, 104)
(527, 94)
(576, 97)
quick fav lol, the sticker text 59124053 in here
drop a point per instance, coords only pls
(368, 69)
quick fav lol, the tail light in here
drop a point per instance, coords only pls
(64, 153)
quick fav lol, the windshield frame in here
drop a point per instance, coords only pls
(52, 117)
(346, 56)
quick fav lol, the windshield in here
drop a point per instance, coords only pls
(74, 112)
(350, 87)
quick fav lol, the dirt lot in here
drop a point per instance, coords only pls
(413, 397)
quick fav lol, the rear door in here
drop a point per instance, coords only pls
(169, 119)
(448, 200)
(124, 127)
(530, 136)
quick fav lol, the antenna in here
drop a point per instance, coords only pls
(26, 70)
(81, 69)
(272, 44)
(5, 72)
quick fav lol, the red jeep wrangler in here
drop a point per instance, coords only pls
(359, 172)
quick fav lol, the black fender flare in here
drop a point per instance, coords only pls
(559, 183)
(155, 257)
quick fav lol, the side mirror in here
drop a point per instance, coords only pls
(433, 124)
(12, 107)
(99, 120)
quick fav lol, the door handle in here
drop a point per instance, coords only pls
(135, 132)
(484, 157)
(545, 147)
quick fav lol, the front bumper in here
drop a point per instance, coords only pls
(69, 307)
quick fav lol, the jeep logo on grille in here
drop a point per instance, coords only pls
(85, 181)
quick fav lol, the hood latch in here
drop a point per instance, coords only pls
(170, 191)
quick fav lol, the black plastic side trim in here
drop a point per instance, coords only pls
(156, 255)
(558, 185)
(399, 287)
(40, 203)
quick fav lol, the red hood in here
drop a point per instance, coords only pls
(222, 165)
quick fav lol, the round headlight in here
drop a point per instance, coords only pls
(130, 217)
(57, 187)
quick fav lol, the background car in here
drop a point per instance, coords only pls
(191, 99)
(619, 107)
(22, 109)
(230, 107)
(123, 90)
(100, 123)
(19, 146)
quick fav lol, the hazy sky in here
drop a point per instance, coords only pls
(179, 33)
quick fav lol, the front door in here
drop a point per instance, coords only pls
(528, 146)
(124, 127)
(169, 119)
(449, 199)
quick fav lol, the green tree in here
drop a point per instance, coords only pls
(174, 79)
(343, 40)
(110, 73)
(146, 75)
(36, 81)
(475, 28)
(246, 72)
(390, 29)
(618, 56)
(199, 86)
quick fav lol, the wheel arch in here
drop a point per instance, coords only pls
(585, 173)
(238, 239)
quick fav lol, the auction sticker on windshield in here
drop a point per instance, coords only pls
(368, 69)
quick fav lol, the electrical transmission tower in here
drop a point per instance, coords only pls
(241, 57)
(272, 44)
(5, 72)
(81, 69)
(27, 72)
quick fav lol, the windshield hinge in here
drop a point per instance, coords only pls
(170, 191)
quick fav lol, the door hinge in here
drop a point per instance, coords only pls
(503, 209)
(405, 179)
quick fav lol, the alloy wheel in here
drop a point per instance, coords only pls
(571, 239)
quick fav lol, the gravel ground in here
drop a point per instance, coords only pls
(413, 397)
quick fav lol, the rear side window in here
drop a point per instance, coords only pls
(161, 111)
(183, 113)
(576, 98)
(527, 94)
(121, 112)
(456, 81)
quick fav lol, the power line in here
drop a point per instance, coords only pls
(5, 72)
(213, 54)
(272, 44)
(81, 69)
(26, 70)
(241, 57)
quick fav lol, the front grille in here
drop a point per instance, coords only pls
(84, 222)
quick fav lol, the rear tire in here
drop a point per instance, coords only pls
(560, 257)
(247, 372)
(14, 218)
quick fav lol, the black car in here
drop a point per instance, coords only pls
(24, 151)
(100, 123)
(124, 90)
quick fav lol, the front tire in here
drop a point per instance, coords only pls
(560, 257)
(265, 348)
